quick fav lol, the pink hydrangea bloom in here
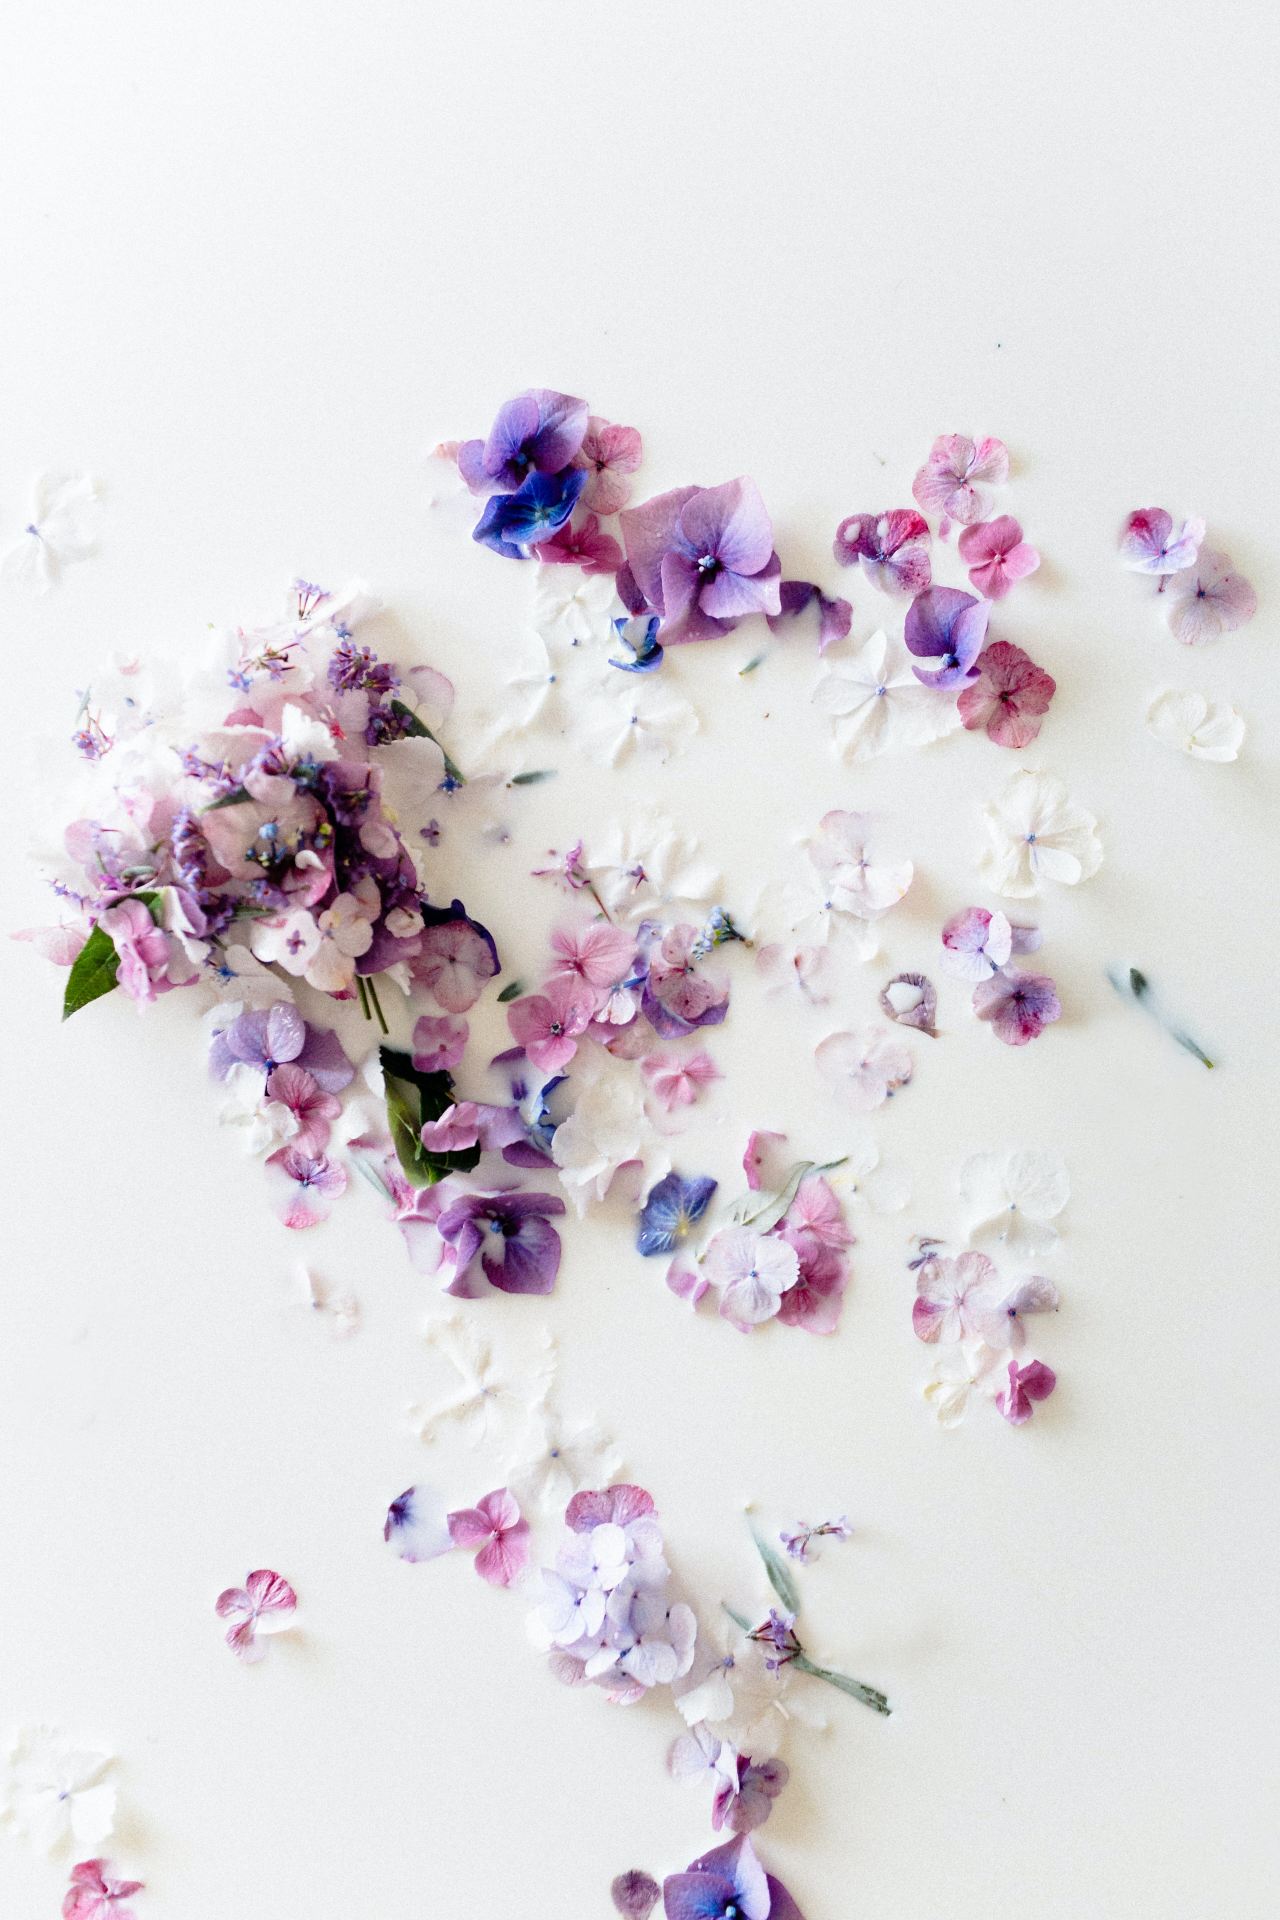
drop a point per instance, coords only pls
(454, 963)
(313, 1109)
(996, 555)
(439, 1042)
(265, 1604)
(1018, 1005)
(581, 544)
(676, 1080)
(951, 481)
(893, 549)
(752, 1272)
(1009, 698)
(598, 953)
(548, 1025)
(456, 1129)
(305, 1182)
(815, 1300)
(1026, 1385)
(150, 962)
(815, 1215)
(1209, 600)
(864, 1069)
(611, 455)
(1148, 543)
(95, 1894)
(959, 1299)
(498, 1528)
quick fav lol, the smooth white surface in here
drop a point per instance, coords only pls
(258, 261)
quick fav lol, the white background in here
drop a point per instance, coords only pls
(259, 259)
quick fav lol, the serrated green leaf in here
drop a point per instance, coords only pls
(779, 1574)
(869, 1696)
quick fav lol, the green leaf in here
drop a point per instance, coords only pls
(93, 973)
(779, 1574)
(532, 779)
(97, 964)
(416, 729)
(412, 1099)
(511, 992)
(738, 1619)
(869, 1696)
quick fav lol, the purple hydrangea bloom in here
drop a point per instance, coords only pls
(513, 522)
(1018, 1005)
(702, 558)
(278, 1036)
(510, 1234)
(728, 1883)
(944, 624)
(672, 1208)
(538, 432)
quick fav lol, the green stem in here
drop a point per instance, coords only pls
(364, 997)
(372, 992)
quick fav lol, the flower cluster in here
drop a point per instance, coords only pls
(606, 1614)
(546, 455)
(1208, 598)
(998, 689)
(784, 1257)
(976, 946)
(245, 842)
(965, 1306)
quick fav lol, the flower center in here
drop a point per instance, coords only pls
(708, 566)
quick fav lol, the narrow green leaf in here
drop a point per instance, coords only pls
(869, 1696)
(93, 973)
(738, 1619)
(532, 779)
(511, 992)
(779, 1574)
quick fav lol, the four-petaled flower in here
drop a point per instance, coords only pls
(893, 549)
(1009, 697)
(95, 1893)
(498, 1528)
(948, 626)
(951, 481)
(702, 558)
(265, 1604)
(997, 556)
(1018, 1005)
(752, 1272)
(509, 1234)
(538, 432)
(671, 1211)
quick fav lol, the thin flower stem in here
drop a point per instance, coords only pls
(591, 889)
(364, 997)
(372, 992)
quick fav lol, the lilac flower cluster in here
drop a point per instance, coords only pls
(606, 1613)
